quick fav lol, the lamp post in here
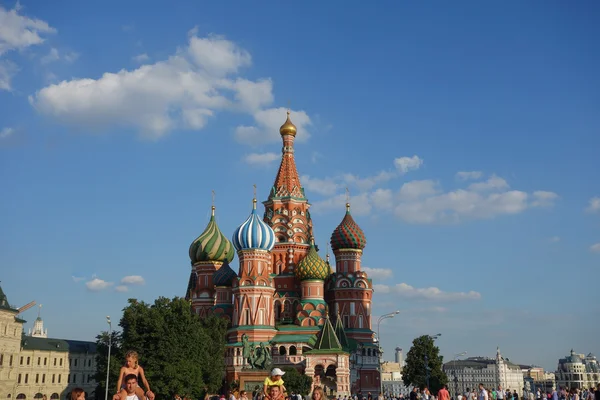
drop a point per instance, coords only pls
(461, 354)
(432, 337)
(108, 362)
(385, 316)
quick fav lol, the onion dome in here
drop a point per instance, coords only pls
(224, 276)
(348, 234)
(211, 245)
(254, 233)
(288, 128)
(312, 266)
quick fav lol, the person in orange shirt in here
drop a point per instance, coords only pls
(443, 393)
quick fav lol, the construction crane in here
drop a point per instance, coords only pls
(25, 307)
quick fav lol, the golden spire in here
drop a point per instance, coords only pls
(347, 200)
(212, 208)
(288, 128)
(254, 199)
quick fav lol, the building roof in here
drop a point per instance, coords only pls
(4, 304)
(348, 234)
(60, 345)
(211, 245)
(327, 341)
(254, 233)
(477, 363)
(341, 334)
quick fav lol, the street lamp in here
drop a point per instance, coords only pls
(385, 316)
(461, 354)
(108, 362)
(432, 337)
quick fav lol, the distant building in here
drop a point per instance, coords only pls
(578, 371)
(392, 380)
(536, 378)
(399, 357)
(468, 373)
(32, 367)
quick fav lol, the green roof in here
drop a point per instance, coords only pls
(306, 338)
(62, 345)
(327, 339)
(341, 334)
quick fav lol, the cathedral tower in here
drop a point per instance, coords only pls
(349, 290)
(286, 211)
(312, 271)
(253, 290)
(207, 254)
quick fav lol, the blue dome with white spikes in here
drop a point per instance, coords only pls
(254, 233)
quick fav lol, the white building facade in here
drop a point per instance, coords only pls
(32, 367)
(469, 373)
(578, 371)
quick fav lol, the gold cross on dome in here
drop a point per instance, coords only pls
(213, 197)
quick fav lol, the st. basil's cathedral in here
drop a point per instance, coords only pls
(285, 301)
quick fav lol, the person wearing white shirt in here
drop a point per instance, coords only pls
(483, 394)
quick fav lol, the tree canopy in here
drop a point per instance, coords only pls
(180, 353)
(295, 382)
(424, 355)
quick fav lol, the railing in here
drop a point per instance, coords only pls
(287, 359)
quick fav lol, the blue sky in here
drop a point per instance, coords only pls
(468, 135)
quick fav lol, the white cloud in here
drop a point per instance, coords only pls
(593, 205)
(326, 186)
(425, 202)
(379, 288)
(133, 280)
(141, 58)
(71, 57)
(554, 239)
(415, 190)
(182, 92)
(7, 132)
(18, 32)
(461, 204)
(360, 204)
(405, 164)
(369, 181)
(595, 248)
(430, 293)
(54, 55)
(543, 198)
(268, 123)
(217, 55)
(382, 198)
(121, 289)
(468, 175)
(378, 273)
(97, 284)
(261, 158)
(8, 70)
(493, 183)
(51, 56)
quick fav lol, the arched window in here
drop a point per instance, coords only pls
(38, 396)
(54, 396)
(282, 350)
(292, 350)
(21, 396)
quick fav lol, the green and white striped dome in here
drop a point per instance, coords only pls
(211, 245)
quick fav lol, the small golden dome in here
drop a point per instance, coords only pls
(288, 128)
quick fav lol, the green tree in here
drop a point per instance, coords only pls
(180, 352)
(116, 361)
(296, 382)
(423, 357)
